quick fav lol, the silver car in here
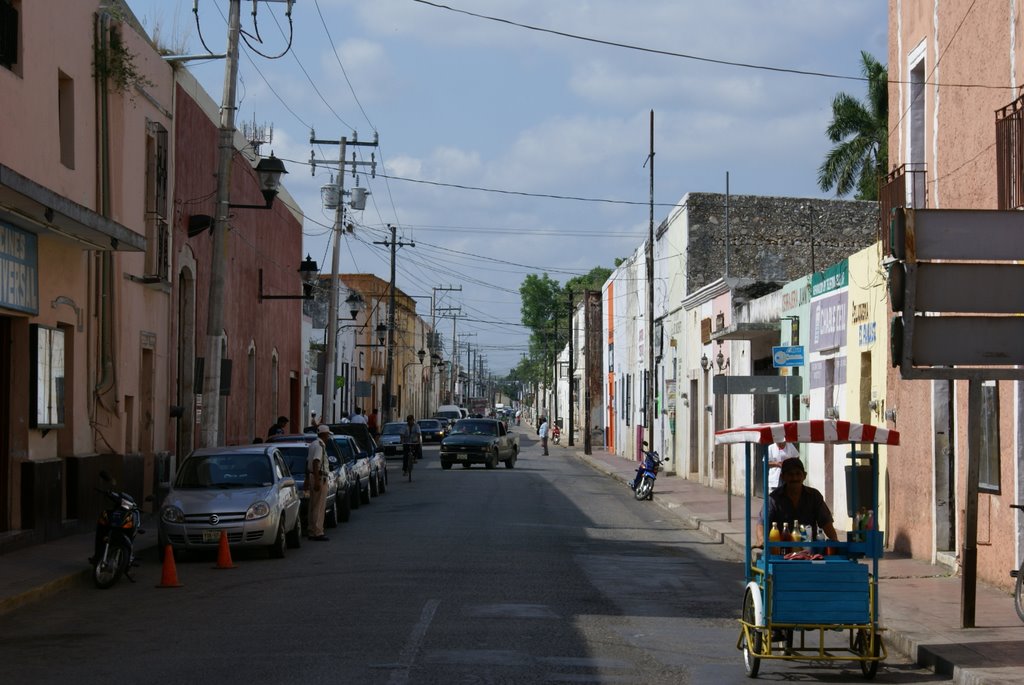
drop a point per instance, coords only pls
(246, 492)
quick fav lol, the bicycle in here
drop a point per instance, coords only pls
(408, 459)
(1018, 590)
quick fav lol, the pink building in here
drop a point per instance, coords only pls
(954, 143)
(84, 270)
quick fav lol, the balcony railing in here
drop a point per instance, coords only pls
(1010, 154)
(904, 186)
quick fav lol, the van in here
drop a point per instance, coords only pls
(449, 411)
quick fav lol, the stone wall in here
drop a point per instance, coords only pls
(773, 238)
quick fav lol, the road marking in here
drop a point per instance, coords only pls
(400, 676)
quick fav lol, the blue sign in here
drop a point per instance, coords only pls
(19, 275)
(788, 356)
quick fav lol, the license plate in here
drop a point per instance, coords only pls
(460, 456)
(211, 535)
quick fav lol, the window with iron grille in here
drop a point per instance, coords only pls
(988, 472)
(1010, 155)
(158, 263)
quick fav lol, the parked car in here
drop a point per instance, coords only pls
(247, 492)
(431, 430)
(391, 438)
(371, 445)
(296, 455)
(479, 441)
(349, 450)
(343, 469)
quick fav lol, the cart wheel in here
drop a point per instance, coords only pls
(751, 662)
(861, 646)
(1018, 593)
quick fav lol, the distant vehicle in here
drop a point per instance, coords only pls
(247, 492)
(446, 424)
(360, 461)
(391, 438)
(479, 441)
(450, 411)
(431, 430)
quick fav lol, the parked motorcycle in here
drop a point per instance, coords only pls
(646, 474)
(115, 537)
(556, 434)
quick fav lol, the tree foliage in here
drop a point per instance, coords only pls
(860, 131)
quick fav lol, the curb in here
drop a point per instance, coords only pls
(43, 591)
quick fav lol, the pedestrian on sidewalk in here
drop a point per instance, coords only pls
(278, 427)
(316, 484)
(777, 453)
(543, 433)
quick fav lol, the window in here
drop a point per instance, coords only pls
(158, 263)
(47, 410)
(9, 33)
(66, 119)
(988, 473)
(1010, 155)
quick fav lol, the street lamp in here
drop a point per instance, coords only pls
(704, 362)
(307, 272)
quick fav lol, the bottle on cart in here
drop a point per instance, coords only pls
(796, 536)
(774, 535)
(869, 523)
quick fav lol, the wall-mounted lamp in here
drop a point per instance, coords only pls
(307, 272)
(876, 406)
(355, 302)
(832, 413)
(890, 415)
(268, 171)
(709, 409)
(686, 399)
(704, 362)
(805, 400)
(721, 362)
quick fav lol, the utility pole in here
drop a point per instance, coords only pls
(433, 325)
(389, 369)
(649, 413)
(210, 419)
(338, 202)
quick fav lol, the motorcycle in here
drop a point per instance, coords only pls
(646, 474)
(116, 528)
(556, 434)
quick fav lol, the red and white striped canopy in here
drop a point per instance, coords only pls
(813, 431)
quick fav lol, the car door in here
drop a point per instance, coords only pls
(287, 493)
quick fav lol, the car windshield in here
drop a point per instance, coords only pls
(226, 471)
(295, 459)
(345, 447)
(429, 424)
(393, 428)
(473, 427)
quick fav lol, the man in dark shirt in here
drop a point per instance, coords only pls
(278, 427)
(794, 501)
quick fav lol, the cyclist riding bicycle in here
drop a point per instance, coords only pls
(412, 442)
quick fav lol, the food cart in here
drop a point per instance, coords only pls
(819, 603)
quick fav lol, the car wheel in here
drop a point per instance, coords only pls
(374, 488)
(510, 462)
(492, 461)
(331, 516)
(277, 548)
(354, 498)
(466, 464)
(382, 483)
(344, 508)
(364, 494)
(446, 465)
(294, 537)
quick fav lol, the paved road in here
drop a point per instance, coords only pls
(546, 573)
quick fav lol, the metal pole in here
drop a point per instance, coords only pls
(330, 363)
(389, 369)
(650, 299)
(969, 555)
(210, 418)
(572, 371)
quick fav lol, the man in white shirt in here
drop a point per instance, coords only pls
(778, 453)
(359, 416)
(543, 433)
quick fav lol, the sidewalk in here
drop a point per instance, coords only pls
(920, 602)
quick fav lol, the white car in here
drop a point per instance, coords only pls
(246, 492)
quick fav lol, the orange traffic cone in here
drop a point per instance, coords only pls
(169, 575)
(224, 552)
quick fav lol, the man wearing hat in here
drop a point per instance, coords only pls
(794, 501)
(316, 483)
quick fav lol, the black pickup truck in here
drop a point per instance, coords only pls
(479, 441)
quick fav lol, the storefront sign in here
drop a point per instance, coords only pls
(19, 269)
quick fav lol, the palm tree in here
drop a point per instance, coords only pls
(860, 131)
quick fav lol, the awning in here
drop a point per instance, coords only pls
(39, 209)
(748, 331)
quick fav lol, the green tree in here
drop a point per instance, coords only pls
(860, 131)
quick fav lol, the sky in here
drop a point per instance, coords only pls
(514, 135)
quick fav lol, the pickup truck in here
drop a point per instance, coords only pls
(479, 441)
